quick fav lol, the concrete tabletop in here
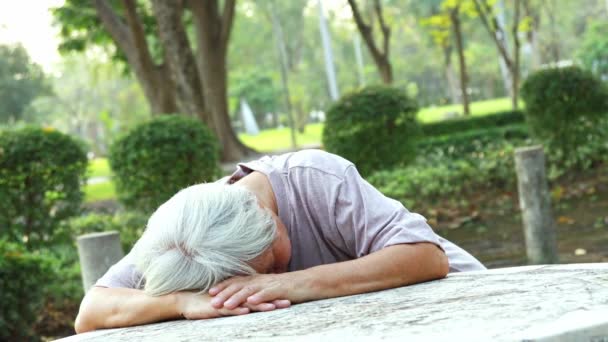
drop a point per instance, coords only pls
(538, 303)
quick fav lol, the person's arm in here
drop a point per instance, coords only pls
(122, 307)
(390, 267)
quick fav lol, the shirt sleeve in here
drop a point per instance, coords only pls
(122, 274)
(368, 221)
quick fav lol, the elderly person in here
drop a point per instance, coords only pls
(286, 229)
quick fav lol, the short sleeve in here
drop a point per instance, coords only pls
(369, 221)
(121, 274)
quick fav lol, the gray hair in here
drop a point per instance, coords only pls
(201, 236)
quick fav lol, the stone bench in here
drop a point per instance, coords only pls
(544, 303)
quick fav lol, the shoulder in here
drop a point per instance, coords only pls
(318, 161)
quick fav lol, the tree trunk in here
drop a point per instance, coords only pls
(450, 76)
(516, 48)
(180, 59)
(386, 71)
(283, 61)
(455, 18)
(498, 34)
(212, 34)
(130, 38)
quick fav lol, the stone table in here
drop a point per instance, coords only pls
(548, 303)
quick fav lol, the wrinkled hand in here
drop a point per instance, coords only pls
(280, 289)
(194, 305)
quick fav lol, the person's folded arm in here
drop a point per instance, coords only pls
(122, 307)
(390, 267)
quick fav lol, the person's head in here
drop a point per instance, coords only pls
(203, 235)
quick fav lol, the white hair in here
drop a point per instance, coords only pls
(201, 236)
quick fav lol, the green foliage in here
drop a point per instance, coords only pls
(81, 28)
(41, 171)
(130, 225)
(20, 82)
(477, 140)
(498, 119)
(436, 176)
(23, 276)
(374, 127)
(594, 50)
(156, 159)
(565, 108)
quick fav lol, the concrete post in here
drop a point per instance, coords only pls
(97, 252)
(535, 204)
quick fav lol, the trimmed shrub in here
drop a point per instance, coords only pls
(374, 127)
(156, 159)
(23, 276)
(436, 177)
(565, 107)
(457, 125)
(41, 171)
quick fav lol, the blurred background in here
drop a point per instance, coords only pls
(107, 108)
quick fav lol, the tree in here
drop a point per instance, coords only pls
(447, 32)
(499, 36)
(91, 99)
(155, 42)
(21, 81)
(380, 55)
(593, 52)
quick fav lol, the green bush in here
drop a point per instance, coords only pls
(565, 108)
(156, 159)
(436, 177)
(23, 276)
(130, 225)
(499, 119)
(374, 127)
(63, 293)
(41, 171)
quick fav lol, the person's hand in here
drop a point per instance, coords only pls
(280, 289)
(194, 305)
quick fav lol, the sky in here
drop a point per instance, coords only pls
(29, 22)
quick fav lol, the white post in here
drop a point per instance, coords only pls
(329, 58)
(535, 204)
(97, 252)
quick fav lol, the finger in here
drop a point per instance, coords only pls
(234, 312)
(261, 307)
(281, 303)
(217, 288)
(262, 296)
(219, 299)
(240, 297)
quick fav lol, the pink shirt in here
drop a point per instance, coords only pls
(331, 213)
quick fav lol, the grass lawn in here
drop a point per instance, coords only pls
(99, 167)
(280, 139)
(479, 108)
(99, 191)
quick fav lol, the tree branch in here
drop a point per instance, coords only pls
(494, 31)
(138, 35)
(365, 30)
(386, 31)
(114, 25)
